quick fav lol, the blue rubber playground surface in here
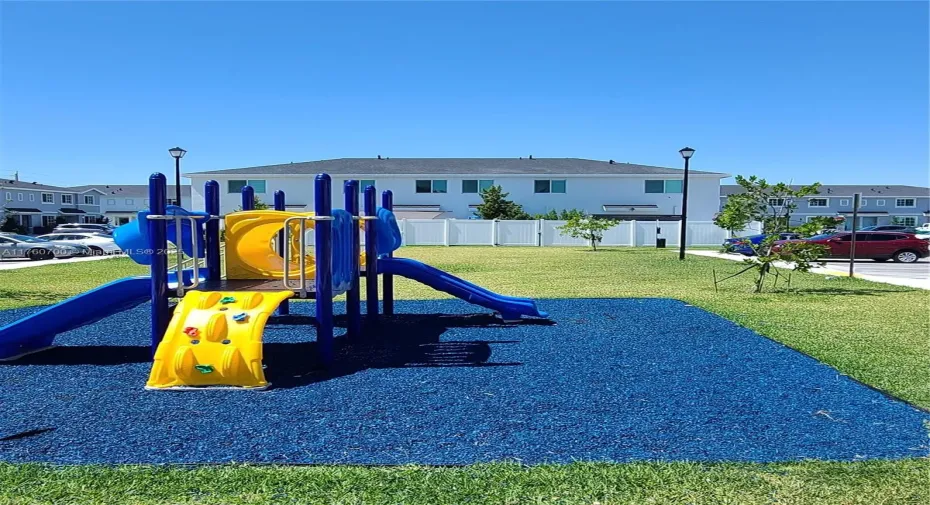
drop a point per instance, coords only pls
(610, 380)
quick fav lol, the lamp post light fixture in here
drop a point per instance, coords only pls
(177, 153)
(686, 153)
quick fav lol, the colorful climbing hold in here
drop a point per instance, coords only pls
(204, 368)
(227, 299)
(240, 317)
(190, 331)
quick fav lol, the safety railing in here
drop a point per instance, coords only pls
(179, 248)
(302, 249)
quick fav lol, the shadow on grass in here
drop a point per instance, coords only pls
(41, 297)
(400, 341)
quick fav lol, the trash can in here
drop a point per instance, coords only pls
(660, 243)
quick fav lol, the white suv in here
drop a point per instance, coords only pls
(83, 228)
(98, 244)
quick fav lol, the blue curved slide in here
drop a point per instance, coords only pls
(37, 331)
(509, 307)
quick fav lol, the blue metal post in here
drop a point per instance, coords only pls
(158, 236)
(387, 201)
(371, 256)
(248, 198)
(323, 245)
(285, 307)
(353, 295)
(211, 193)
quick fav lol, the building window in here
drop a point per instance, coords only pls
(111, 201)
(88, 199)
(258, 185)
(364, 183)
(844, 203)
(129, 201)
(661, 186)
(549, 186)
(19, 196)
(818, 202)
(235, 186)
(68, 199)
(655, 186)
(777, 202)
(476, 185)
(48, 221)
(428, 186)
(48, 198)
(863, 202)
(880, 203)
(905, 202)
(905, 220)
(32, 197)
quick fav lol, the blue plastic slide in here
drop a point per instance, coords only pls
(509, 307)
(37, 331)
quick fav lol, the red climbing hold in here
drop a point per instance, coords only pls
(190, 331)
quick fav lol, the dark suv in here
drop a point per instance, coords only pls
(878, 246)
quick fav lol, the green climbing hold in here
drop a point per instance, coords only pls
(227, 299)
(204, 368)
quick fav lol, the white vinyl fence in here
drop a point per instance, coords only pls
(449, 232)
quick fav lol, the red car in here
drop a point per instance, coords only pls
(874, 245)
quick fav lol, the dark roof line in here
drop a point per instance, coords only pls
(847, 190)
(456, 166)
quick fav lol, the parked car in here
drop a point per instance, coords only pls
(13, 246)
(98, 244)
(923, 231)
(878, 246)
(890, 227)
(84, 228)
(741, 245)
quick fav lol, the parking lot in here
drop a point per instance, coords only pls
(917, 271)
(915, 275)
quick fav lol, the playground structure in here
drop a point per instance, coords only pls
(213, 337)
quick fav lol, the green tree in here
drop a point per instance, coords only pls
(563, 215)
(11, 226)
(257, 203)
(772, 204)
(818, 224)
(495, 205)
(735, 215)
(803, 256)
(587, 227)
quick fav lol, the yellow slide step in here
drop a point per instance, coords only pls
(214, 339)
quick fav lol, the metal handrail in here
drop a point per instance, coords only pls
(179, 246)
(302, 260)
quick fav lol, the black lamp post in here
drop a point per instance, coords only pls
(177, 153)
(686, 153)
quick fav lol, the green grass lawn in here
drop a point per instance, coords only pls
(875, 333)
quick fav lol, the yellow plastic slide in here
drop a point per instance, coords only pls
(215, 339)
(249, 238)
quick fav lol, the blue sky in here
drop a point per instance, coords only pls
(835, 92)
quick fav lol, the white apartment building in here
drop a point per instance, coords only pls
(449, 187)
(121, 203)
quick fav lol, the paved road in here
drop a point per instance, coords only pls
(919, 270)
(25, 263)
(915, 275)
